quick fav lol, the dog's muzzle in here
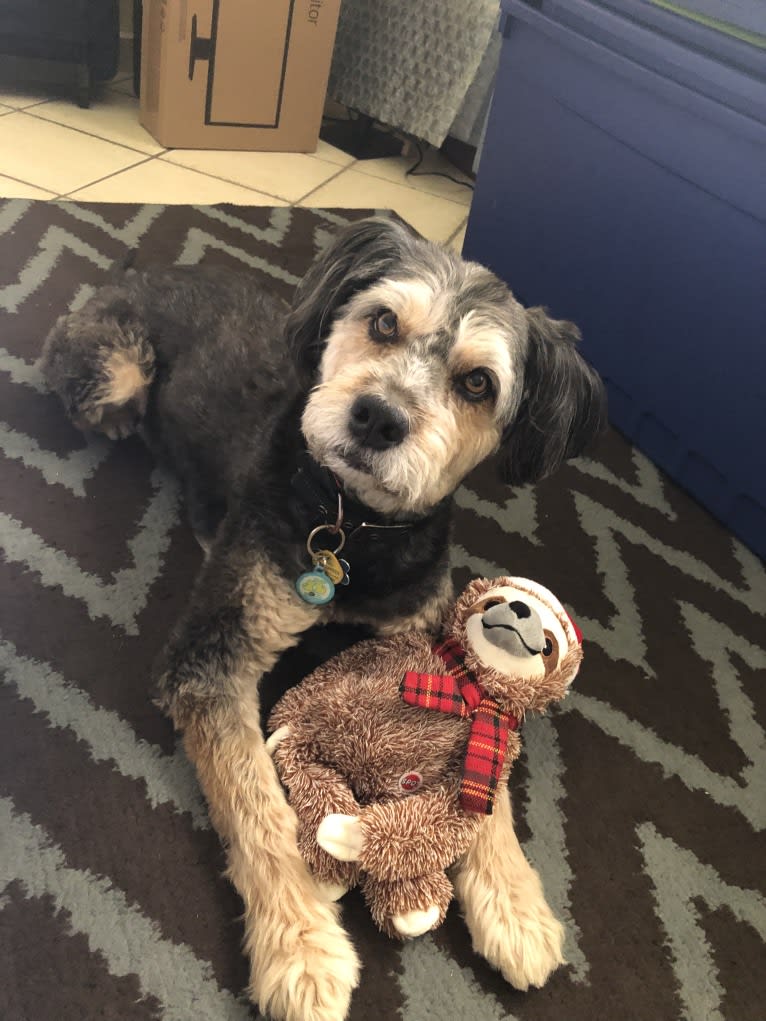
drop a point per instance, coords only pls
(377, 425)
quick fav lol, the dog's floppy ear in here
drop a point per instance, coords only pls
(564, 404)
(358, 256)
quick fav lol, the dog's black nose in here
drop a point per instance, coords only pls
(376, 424)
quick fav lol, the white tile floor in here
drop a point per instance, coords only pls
(50, 148)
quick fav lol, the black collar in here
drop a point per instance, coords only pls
(316, 490)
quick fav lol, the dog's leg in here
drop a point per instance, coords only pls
(505, 909)
(100, 363)
(302, 965)
(244, 614)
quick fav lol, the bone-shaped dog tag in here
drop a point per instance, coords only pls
(326, 561)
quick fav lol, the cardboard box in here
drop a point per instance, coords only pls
(236, 74)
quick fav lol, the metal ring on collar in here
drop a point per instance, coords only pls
(338, 526)
(341, 535)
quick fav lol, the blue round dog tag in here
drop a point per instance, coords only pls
(315, 587)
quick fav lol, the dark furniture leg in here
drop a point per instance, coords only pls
(83, 83)
(138, 19)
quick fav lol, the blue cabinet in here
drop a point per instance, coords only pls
(623, 185)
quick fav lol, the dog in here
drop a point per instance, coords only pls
(346, 420)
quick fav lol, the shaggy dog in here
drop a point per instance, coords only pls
(349, 419)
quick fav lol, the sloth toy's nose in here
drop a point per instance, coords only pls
(514, 627)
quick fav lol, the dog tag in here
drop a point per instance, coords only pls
(326, 561)
(315, 587)
(318, 586)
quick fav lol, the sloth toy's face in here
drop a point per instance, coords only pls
(514, 630)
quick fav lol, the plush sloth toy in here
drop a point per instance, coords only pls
(395, 751)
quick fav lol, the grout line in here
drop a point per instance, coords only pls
(455, 233)
(34, 103)
(333, 177)
(228, 180)
(90, 134)
(406, 182)
(257, 152)
(82, 187)
(393, 206)
(254, 152)
(399, 184)
(73, 194)
(29, 184)
(334, 163)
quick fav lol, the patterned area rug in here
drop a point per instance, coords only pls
(642, 801)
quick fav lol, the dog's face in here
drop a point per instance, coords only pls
(421, 365)
(418, 378)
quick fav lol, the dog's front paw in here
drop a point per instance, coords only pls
(308, 970)
(341, 836)
(519, 936)
(531, 950)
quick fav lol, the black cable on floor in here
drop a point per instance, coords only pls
(412, 172)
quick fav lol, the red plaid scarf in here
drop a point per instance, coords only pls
(460, 693)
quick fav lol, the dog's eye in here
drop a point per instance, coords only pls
(384, 326)
(548, 647)
(477, 385)
(493, 601)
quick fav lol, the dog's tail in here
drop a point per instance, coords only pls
(100, 361)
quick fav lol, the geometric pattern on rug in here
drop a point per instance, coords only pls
(641, 800)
